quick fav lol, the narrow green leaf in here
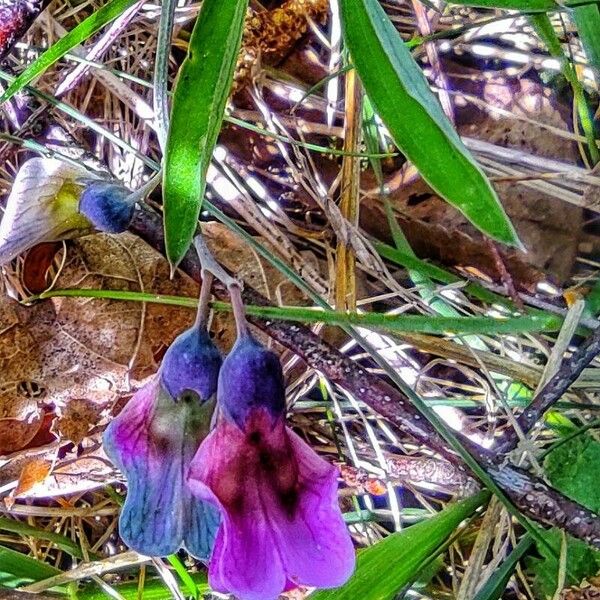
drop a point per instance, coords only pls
(387, 567)
(154, 589)
(160, 97)
(387, 322)
(76, 36)
(185, 577)
(402, 97)
(587, 19)
(62, 542)
(404, 323)
(524, 5)
(19, 569)
(495, 586)
(530, 5)
(198, 106)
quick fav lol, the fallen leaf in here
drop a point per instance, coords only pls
(79, 416)
(33, 473)
(548, 227)
(79, 356)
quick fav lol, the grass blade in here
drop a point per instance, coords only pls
(62, 542)
(76, 36)
(154, 589)
(545, 30)
(185, 577)
(373, 320)
(495, 586)
(198, 106)
(384, 569)
(402, 97)
(524, 5)
(161, 71)
(17, 569)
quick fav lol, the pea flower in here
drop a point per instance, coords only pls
(281, 525)
(153, 441)
(52, 200)
(41, 207)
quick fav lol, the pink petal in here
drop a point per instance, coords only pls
(280, 517)
(244, 561)
(314, 544)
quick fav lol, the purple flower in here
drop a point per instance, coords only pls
(153, 440)
(281, 525)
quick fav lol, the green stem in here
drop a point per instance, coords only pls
(388, 322)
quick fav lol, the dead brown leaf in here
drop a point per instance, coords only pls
(33, 473)
(79, 416)
(549, 228)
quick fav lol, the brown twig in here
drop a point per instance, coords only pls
(570, 370)
(530, 494)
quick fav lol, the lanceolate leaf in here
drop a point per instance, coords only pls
(587, 19)
(198, 105)
(76, 36)
(18, 569)
(387, 567)
(402, 97)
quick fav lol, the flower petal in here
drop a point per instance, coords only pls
(315, 546)
(203, 523)
(41, 207)
(151, 443)
(280, 517)
(245, 561)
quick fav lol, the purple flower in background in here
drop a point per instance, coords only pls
(153, 441)
(281, 525)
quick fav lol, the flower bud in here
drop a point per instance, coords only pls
(107, 206)
(191, 363)
(251, 378)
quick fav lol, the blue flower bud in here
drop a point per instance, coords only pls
(191, 363)
(251, 377)
(106, 205)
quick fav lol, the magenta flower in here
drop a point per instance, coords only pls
(153, 441)
(281, 525)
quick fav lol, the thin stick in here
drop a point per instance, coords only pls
(562, 380)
